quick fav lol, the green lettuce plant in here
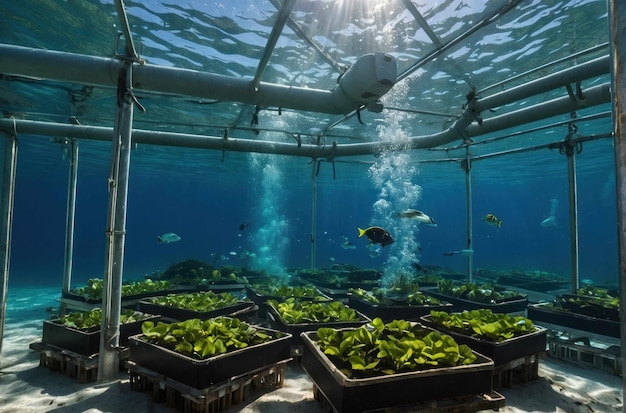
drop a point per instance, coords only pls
(202, 301)
(87, 320)
(484, 324)
(284, 290)
(95, 286)
(293, 311)
(395, 347)
(383, 296)
(482, 293)
(203, 339)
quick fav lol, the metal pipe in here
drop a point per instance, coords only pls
(593, 68)
(314, 45)
(125, 27)
(594, 96)
(6, 223)
(439, 51)
(469, 211)
(70, 221)
(108, 358)
(617, 26)
(573, 211)
(314, 166)
(421, 21)
(277, 28)
(84, 69)
(536, 69)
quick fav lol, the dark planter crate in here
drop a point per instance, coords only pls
(184, 314)
(591, 309)
(394, 312)
(358, 395)
(201, 374)
(86, 343)
(512, 305)
(296, 329)
(540, 312)
(500, 352)
(523, 281)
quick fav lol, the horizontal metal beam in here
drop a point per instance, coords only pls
(460, 130)
(593, 68)
(368, 79)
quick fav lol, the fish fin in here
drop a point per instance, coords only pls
(361, 232)
(499, 224)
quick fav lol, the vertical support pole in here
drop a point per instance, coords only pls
(617, 24)
(6, 223)
(467, 166)
(313, 212)
(573, 210)
(69, 222)
(108, 360)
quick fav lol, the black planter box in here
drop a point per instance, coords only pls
(541, 312)
(592, 307)
(181, 314)
(510, 305)
(394, 312)
(85, 342)
(500, 352)
(523, 281)
(357, 395)
(201, 374)
(296, 329)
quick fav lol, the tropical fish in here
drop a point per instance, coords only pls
(243, 226)
(376, 235)
(167, 238)
(462, 252)
(549, 222)
(418, 216)
(491, 219)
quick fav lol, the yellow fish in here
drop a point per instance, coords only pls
(491, 219)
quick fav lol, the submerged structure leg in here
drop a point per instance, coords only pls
(108, 363)
(6, 222)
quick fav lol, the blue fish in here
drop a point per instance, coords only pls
(167, 238)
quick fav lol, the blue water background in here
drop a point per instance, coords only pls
(204, 200)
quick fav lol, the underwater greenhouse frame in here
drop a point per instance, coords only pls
(561, 102)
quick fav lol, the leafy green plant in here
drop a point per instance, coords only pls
(284, 290)
(382, 349)
(293, 311)
(95, 286)
(482, 293)
(197, 272)
(202, 301)
(484, 324)
(382, 296)
(203, 339)
(91, 319)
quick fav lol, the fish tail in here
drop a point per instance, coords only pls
(499, 224)
(361, 232)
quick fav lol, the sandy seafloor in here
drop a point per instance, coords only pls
(26, 387)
